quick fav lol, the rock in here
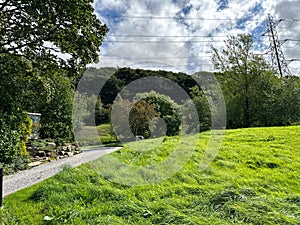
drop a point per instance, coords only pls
(51, 145)
(69, 148)
(41, 153)
(70, 154)
(61, 152)
(33, 164)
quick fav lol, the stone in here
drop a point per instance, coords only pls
(70, 154)
(33, 164)
(69, 148)
(51, 145)
(61, 152)
(41, 153)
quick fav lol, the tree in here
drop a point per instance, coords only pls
(140, 116)
(200, 101)
(246, 80)
(44, 47)
(13, 72)
(168, 110)
(41, 30)
(56, 119)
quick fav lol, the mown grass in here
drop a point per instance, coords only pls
(254, 179)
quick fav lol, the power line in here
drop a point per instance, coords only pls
(178, 16)
(151, 58)
(168, 36)
(159, 41)
(172, 36)
(181, 17)
(292, 19)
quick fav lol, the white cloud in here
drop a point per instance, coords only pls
(175, 36)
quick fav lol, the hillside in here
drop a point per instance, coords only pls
(253, 180)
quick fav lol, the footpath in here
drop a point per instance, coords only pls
(27, 178)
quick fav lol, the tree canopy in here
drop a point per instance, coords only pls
(254, 95)
(65, 34)
(45, 46)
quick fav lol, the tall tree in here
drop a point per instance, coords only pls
(240, 73)
(140, 116)
(43, 30)
(44, 47)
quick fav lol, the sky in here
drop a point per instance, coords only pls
(177, 35)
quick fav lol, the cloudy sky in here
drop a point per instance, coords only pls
(177, 34)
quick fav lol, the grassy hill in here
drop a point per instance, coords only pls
(254, 179)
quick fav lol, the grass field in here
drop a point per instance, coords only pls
(104, 136)
(255, 179)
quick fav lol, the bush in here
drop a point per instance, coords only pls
(10, 146)
(14, 133)
(167, 109)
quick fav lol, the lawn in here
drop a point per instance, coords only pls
(254, 179)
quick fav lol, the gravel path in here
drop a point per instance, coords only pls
(26, 178)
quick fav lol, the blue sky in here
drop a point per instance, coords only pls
(177, 35)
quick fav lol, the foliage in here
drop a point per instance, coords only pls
(40, 30)
(56, 116)
(80, 111)
(168, 110)
(202, 106)
(44, 46)
(9, 144)
(120, 119)
(253, 180)
(139, 117)
(119, 78)
(95, 108)
(13, 154)
(15, 124)
(254, 95)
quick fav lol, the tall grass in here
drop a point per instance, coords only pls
(254, 179)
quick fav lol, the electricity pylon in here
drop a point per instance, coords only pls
(278, 60)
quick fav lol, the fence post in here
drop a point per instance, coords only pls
(1, 186)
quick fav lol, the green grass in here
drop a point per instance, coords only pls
(102, 136)
(254, 179)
